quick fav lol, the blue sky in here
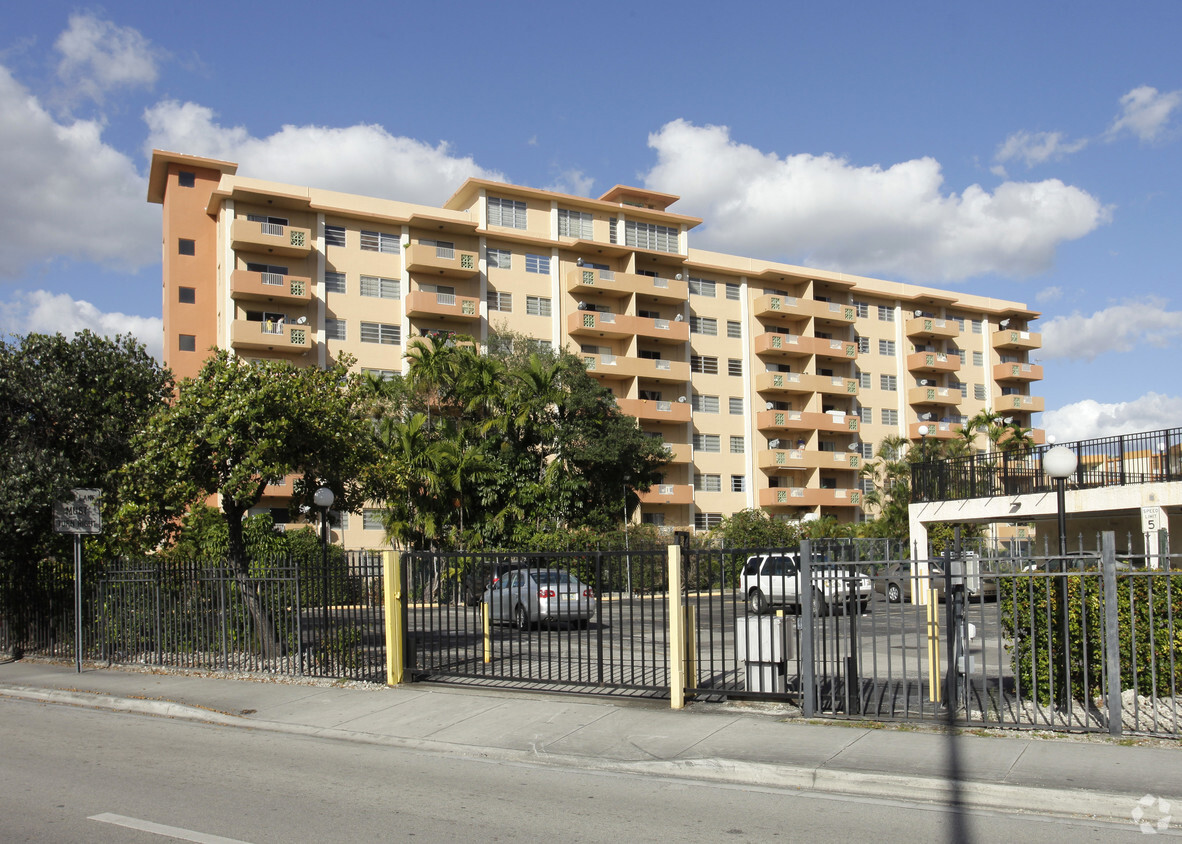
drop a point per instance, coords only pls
(1028, 150)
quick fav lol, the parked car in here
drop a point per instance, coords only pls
(528, 596)
(773, 580)
(895, 582)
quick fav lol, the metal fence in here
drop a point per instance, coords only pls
(290, 616)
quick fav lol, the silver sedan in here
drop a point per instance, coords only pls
(525, 597)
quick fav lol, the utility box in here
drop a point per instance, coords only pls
(763, 644)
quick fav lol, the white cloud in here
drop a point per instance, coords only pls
(1088, 419)
(362, 159)
(897, 221)
(1119, 328)
(42, 312)
(574, 182)
(66, 193)
(97, 56)
(1037, 147)
(1049, 294)
(1145, 111)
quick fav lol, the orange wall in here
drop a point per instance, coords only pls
(185, 217)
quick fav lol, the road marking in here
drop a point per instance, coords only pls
(161, 829)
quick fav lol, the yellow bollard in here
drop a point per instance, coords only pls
(676, 632)
(933, 608)
(392, 589)
(486, 620)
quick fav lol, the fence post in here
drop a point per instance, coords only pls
(394, 609)
(808, 678)
(1111, 633)
(676, 632)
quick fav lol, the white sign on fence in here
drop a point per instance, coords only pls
(1151, 520)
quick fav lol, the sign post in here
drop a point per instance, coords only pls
(79, 516)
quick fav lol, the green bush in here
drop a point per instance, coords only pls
(1149, 623)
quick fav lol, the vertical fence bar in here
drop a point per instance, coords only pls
(1111, 633)
(808, 677)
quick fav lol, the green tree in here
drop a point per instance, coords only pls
(69, 408)
(754, 528)
(238, 426)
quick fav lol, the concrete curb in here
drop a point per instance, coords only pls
(980, 796)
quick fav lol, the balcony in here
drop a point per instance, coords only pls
(1017, 372)
(936, 430)
(804, 383)
(1022, 404)
(786, 308)
(801, 420)
(440, 260)
(270, 336)
(775, 345)
(682, 452)
(656, 411)
(270, 238)
(270, 287)
(809, 497)
(599, 324)
(616, 368)
(782, 460)
(423, 303)
(933, 362)
(1018, 340)
(610, 283)
(931, 327)
(667, 494)
(944, 396)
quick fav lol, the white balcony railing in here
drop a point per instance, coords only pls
(275, 229)
(271, 278)
(445, 298)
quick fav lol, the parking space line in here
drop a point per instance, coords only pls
(160, 829)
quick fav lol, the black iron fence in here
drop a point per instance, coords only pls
(1147, 457)
(289, 616)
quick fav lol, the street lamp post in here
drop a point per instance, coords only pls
(923, 452)
(323, 498)
(1059, 463)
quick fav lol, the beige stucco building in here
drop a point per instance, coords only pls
(770, 383)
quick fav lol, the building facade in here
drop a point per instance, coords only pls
(771, 384)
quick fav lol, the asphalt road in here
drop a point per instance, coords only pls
(72, 774)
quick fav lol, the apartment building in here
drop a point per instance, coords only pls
(770, 383)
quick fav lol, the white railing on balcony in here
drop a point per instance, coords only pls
(665, 489)
(661, 364)
(445, 298)
(836, 344)
(607, 359)
(271, 278)
(603, 317)
(837, 381)
(275, 229)
(660, 282)
(270, 327)
(834, 308)
(665, 407)
(662, 324)
(445, 252)
(607, 275)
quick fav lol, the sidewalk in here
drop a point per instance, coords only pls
(1064, 776)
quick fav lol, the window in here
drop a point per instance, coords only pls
(738, 483)
(978, 359)
(334, 235)
(959, 323)
(186, 179)
(704, 365)
(735, 405)
(701, 287)
(650, 236)
(888, 382)
(186, 246)
(886, 347)
(738, 445)
(379, 242)
(187, 342)
(334, 329)
(499, 259)
(886, 313)
(537, 263)
(732, 291)
(867, 414)
(734, 329)
(960, 354)
(380, 288)
(334, 283)
(371, 519)
(862, 309)
(708, 483)
(863, 345)
(979, 392)
(537, 306)
(380, 332)
(734, 366)
(707, 521)
(704, 404)
(703, 325)
(574, 224)
(864, 380)
(380, 374)
(963, 387)
(186, 295)
(500, 301)
(976, 326)
(657, 519)
(867, 451)
(509, 213)
(707, 442)
(890, 417)
(271, 221)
